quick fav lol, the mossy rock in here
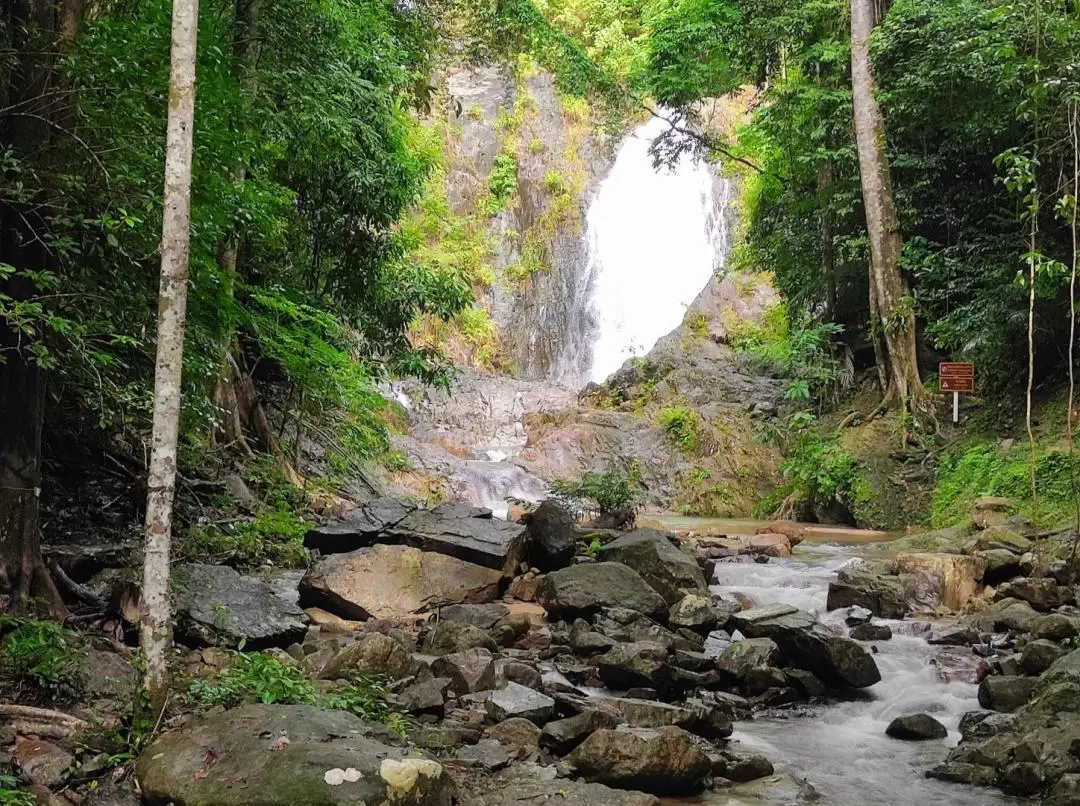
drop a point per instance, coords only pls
(884, 499)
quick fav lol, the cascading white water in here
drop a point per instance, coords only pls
(843, 750)
(655, 238)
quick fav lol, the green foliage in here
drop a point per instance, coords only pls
(982, 467)
(819, 474)
(682, 428)
(609, 493)
(274, 535)
(594, 547)
(256, 677)
(40, 656)
(12, 793)
(502, 181)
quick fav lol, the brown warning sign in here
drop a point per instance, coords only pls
(956, 377)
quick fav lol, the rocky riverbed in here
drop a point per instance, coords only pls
(753, 669)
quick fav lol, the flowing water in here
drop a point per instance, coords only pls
(655, 238)
(842, 749)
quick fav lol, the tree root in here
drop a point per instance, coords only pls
(42, 715)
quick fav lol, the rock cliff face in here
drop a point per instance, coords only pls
(504, 122)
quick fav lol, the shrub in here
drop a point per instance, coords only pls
(610, 493)
(274, 535)
(12, 794)
(256, 677)
(682, 428)
(502, 181)
(40, 655)
(820, 474)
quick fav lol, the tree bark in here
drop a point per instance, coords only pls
(31, 27)
(891, 314)
(155, 628)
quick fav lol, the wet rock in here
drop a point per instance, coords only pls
(665, 762)
(217, 606)
(457, 636)
(639, 713)
(563, 735)
(371, 653)
(984, 724)
(359, 528)
(1066, 791)
(628, 626)
(469, 671)
(959, 665)
(552, 536)
(858, 615)
(933, 580)
(881, 594)
(740, 767)
(1042, 594)
(1006, 614)
(281, 755)
(1039, 655)
(518, 701)
(1023, 778)
(953, 635)
(582, 590)
(42, 763)
(587, 641)
(742, 656)
(467, 533)
(870, 632)
(916, 727)
(803, 644)
(652, 555)
(761, 680)
(700, 613)
(806, 682)
(959, 772)
(1053, 627)
(394, 582)
(1005, 694)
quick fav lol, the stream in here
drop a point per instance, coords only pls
(842, 749)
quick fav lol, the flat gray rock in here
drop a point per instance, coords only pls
(467, 533)
(216, 606)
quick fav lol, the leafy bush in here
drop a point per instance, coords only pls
(610, 493)
(682, 428)
(256, 677)
(12, 794)
(502, 181)
(40, 655)
(819, 475)
(274, 535)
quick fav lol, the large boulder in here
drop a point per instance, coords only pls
(1042, 593)
(283, 755)
(644, 663)
(835, 660)
(552, 537)
(916, 727)
(1005, 693)
(933, 580)
(664, 762)
(880, 593)
(467, 533)
(394, 582)
(742, 656)
(359, 528)
(660, 563)
(374, 654)
(581, 590)
(217, 606)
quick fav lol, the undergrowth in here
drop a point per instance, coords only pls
(987, 468)
(256, 677)
(40, 658)
(612, 492)
(819, 474)
(682, 428)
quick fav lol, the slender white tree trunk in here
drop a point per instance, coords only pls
(156, 627)
(890, 313)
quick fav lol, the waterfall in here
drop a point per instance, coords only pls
(655, 237)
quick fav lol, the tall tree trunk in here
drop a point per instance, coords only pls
(890, 310)
(155, 628)
(32, 29)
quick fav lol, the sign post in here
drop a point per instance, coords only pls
(958, 378)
